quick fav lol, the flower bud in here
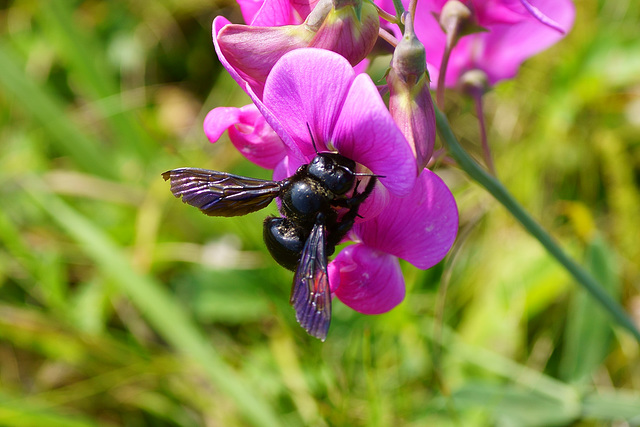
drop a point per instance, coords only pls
(410, 101)
(350, 29)
(474, 83)
(455, 17)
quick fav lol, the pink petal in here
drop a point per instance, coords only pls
(492, 12)
(273, 13)
(282, 12)
(366, 133)
(518, 29)
(374, 204)
(303, 7)
(219, 120)
(248, 132)
(252, 51)
(275, 123)
(218, 24)
(419, 228)
(287, 167)
(367, 280)
(537, 13)
(250, 8)
(362, 66)
(307, 86)
(508, 46)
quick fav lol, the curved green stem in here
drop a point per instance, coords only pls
(497, 190)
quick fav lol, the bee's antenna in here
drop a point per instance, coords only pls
(369, 174)
(312, 140)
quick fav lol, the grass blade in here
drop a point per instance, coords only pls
(49, 112)
(500, 193)
(155, 303)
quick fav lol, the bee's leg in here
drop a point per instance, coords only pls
(356, 200)
(348, 219)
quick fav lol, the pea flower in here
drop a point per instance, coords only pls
(500, 34)
(419, 228)
(516, 31)
(315, 93)
(249, 129)
(406, 217)
(248, 132)
(248, 52)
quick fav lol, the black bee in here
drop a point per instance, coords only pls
(316, 215)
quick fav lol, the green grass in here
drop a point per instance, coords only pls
(119, 305)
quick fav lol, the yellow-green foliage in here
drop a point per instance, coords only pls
(119, 305)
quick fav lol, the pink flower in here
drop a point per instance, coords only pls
(249, 133)
(319, 90)
(419, 228)
(514, 30)
(248, 52)
(411, 218)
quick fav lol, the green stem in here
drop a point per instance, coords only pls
(497, 190)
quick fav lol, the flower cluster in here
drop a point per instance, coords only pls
(491, 36)
(303, 65)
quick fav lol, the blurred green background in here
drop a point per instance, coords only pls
(119, 305)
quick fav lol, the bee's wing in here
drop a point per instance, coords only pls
(220, 193)
(311, 295)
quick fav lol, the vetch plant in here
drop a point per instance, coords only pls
(316, 120)
(312, 99)
(417, 221)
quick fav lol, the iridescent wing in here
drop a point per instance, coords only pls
(311, 295)
(220, 193)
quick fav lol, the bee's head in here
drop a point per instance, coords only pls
(335, 172)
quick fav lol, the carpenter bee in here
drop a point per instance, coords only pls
(316, 214)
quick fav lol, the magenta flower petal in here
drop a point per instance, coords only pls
(287, 167)
(419, 228)
(368, 281)
(516, 30)
(250, 8)
(272, 13)
(542, 17)
(218, 24)
(508, 46)
(252, 51)
(275, 13)
(375, 203)
(308, 86)
(249, 133)
(219, 120)
(369, 136)
(492, 12)
(275, 123)
(316, 89)
(249, 52)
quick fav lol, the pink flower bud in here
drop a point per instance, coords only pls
(410, 101)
